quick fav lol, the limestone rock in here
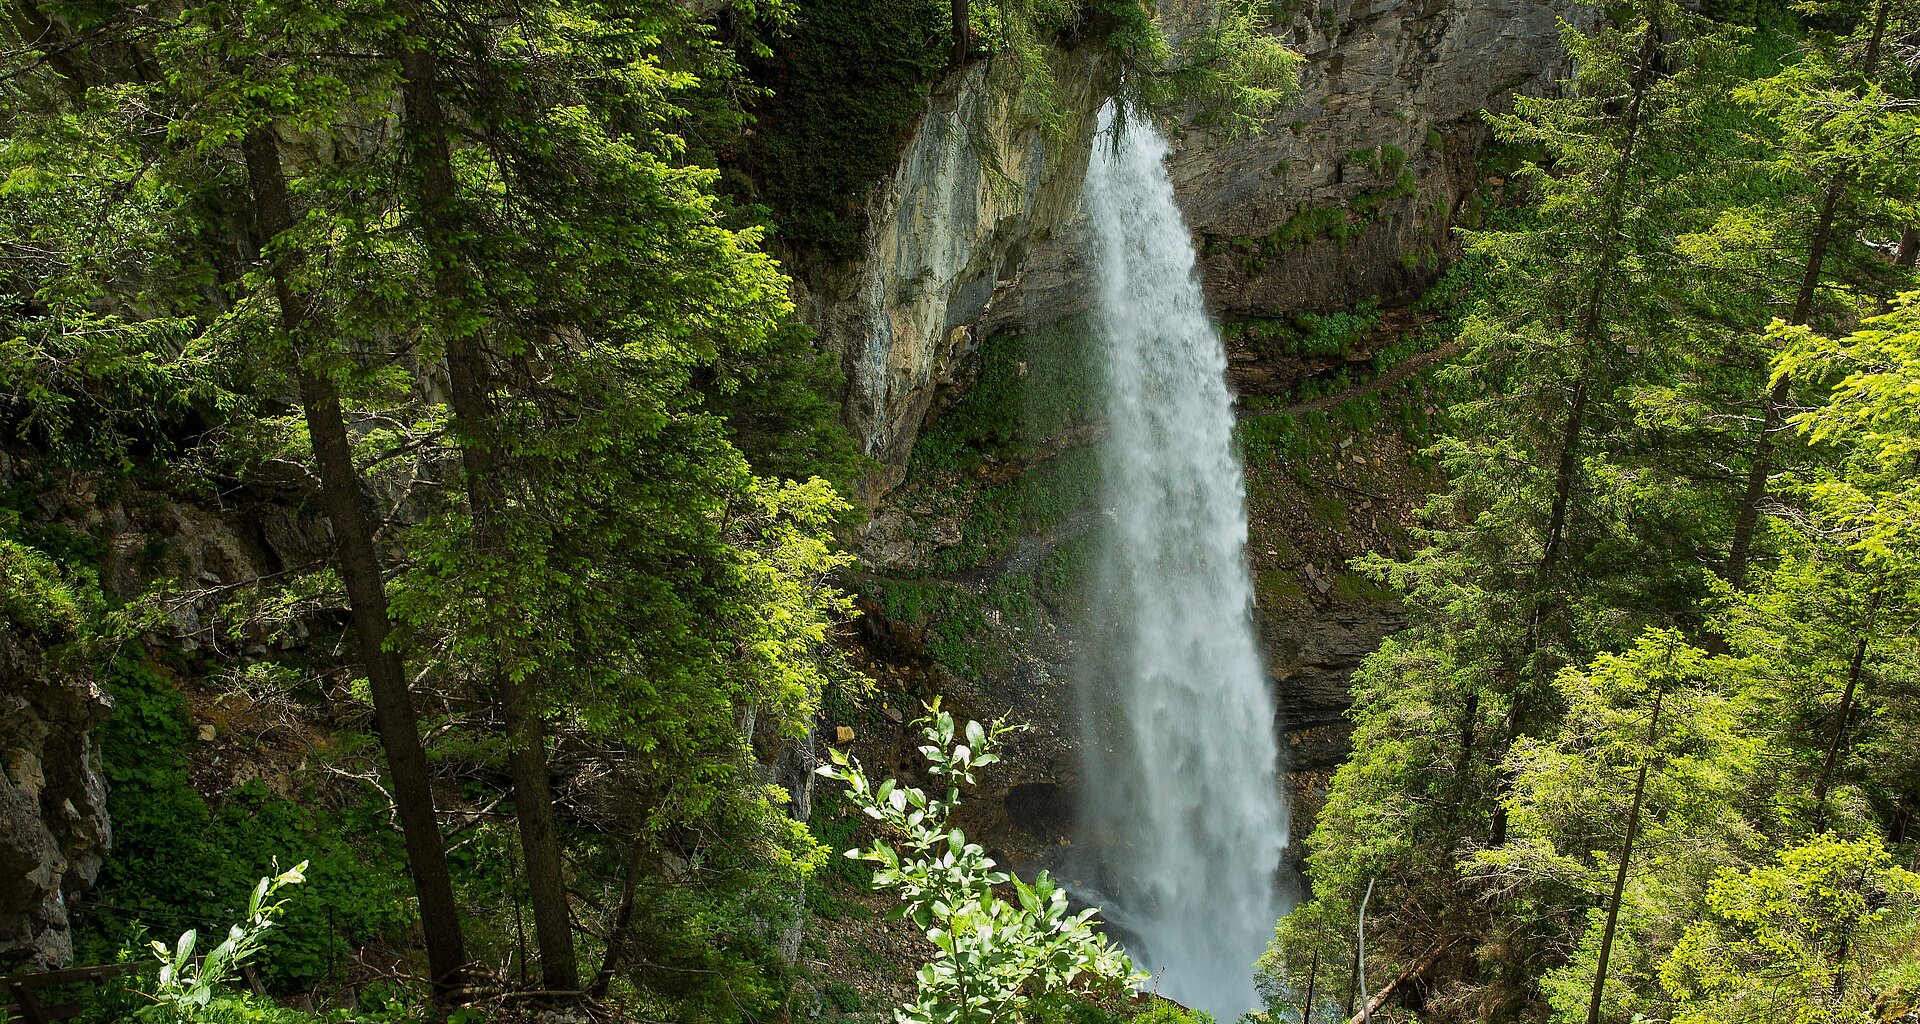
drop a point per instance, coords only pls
(54, 833)
(979, 183)
(1387, 129)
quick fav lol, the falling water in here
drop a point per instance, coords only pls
(1182, 820)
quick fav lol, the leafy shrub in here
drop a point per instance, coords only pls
(994, 957)
(177, 862)
(187, 984)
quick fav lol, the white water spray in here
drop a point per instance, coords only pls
(1182, 820)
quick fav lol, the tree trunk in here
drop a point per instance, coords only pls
(622, 921)
(1592, 318)
(1463, 758)
(1739, 552)
(1620, 876)
(1564, 475)
(360, 569)
(470, 385)
(1306, 1005)
(962, 32)
(1360, 953)
(1825, 778)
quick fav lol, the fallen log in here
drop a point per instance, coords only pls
(1411, 974)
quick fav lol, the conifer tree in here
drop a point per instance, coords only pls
(1847, 145)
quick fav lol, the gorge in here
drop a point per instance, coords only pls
(860, 511)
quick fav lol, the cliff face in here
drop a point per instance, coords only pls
(960, 333)
(981, 182)
(54, 833)
(1351, 193)
(1387, 128)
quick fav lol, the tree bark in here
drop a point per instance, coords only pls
(1313, 975)
(1827, 764)
(1739, 552)
(1740, 549)
(1620, 876)
(962, 32)
(470, 387)
(622, 921)
(360, 569)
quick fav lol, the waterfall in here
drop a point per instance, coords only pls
(1182, 822)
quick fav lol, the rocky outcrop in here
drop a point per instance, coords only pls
(1351, 192)
(54, 833)
(1386, 129)
(982, 181)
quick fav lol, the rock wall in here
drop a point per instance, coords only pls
(1352, 192)
(1387, 127)
(54, 833)
(981, 182)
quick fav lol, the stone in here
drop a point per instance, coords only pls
(207, 732)
(979, 182)
(842, 734)
(955, 253)
(54, 832)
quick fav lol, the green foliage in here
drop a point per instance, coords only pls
(1163, 1012)
(953, 617)
(35, 593)
(1570, 800)
(844, 998)
(836, 826)
(1569, 579)
(994, 957)
(1032, 503)
(1228, 70)
(1809, 938)
(847, 81)
(179, 863)
(1028, 388)
(1309, 334)
(1384, 162)
(1872, 494)
(187, 983)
